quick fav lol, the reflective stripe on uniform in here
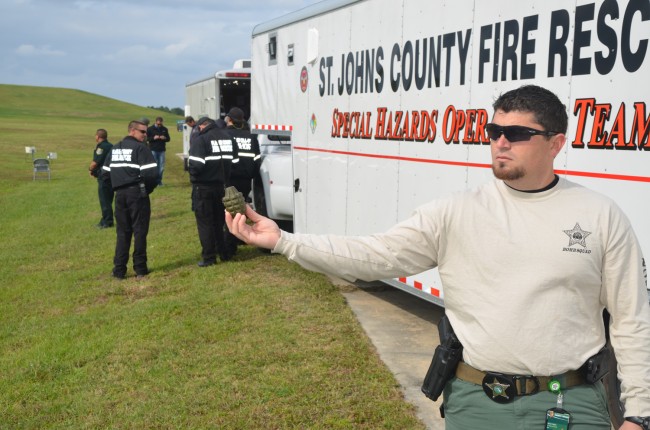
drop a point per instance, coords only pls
(116, 165)
(200, 160)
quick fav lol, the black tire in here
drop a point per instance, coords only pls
(285, 225)
(259, 198)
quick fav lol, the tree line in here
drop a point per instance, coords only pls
(175, 111)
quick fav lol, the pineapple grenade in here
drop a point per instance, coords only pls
(234, 201)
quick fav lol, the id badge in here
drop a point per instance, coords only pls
(557, 419)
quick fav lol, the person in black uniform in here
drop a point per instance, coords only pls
(242, 174)
(104, 189)
(133, 173)
(248, 150)
(158, 136)
(211, 154)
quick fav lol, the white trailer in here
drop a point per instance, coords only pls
(215, 95)
(387, 101)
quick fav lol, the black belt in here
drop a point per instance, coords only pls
(502, 388)
(126, 187)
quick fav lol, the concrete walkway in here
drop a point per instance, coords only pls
(404, 330)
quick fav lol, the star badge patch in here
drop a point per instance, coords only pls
(498, 387)
(577, 236)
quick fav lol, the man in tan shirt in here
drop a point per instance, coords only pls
(528, 262)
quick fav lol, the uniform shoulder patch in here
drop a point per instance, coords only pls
(99, 151)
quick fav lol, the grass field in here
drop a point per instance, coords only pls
(257, 343)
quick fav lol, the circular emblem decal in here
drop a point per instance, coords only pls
(304, 79)
(313, 123)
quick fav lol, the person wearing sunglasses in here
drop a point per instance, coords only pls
(528, 261)
(133, 173)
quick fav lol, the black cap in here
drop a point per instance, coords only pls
(236, 114)
(204, 120)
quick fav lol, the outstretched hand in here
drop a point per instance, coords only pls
(264, 232)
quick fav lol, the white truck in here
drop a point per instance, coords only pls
(386, 102)
(215, 95)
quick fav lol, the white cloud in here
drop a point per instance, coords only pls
(175, 49)
(32, 50)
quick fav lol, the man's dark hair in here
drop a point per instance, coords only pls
(134, 124)
(204, 120)
(102, 134)
(548, 110)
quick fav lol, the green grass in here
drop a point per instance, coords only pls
(257, 343)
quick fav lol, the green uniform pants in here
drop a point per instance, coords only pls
(468, 407)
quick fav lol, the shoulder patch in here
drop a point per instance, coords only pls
(99, 151)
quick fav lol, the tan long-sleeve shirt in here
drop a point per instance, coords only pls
(525, 276)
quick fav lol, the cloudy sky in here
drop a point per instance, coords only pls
(138, 51)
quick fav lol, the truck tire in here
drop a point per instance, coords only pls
(259, 199)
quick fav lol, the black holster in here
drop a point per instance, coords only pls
(597, 366)
(445, 360)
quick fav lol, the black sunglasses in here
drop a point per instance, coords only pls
(515, 133)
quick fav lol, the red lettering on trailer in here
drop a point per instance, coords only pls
(457, 120)
(596, 116)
